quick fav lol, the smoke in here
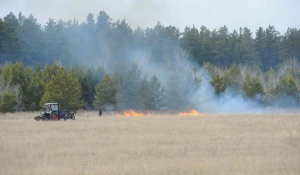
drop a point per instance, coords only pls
(192, 86)
(200, 95)
(229, 102)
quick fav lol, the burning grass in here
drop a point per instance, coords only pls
(192, 112)
(168, 144)
(133, 113)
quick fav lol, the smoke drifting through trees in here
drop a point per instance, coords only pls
(157, 68)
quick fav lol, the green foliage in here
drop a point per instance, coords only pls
(8, 103)
(233, 77)
(105, 93)
(152, 94)
(145, 95)
(158, 92)
(247, 54)
(88, 84)
(218, 83)
(287, 86)
(21, 76)
(10, 42)
(64, 89)
(128, 94)
(31, 37)
(49, 71)
(88, 79)
(210, 68)
(118, 79)
(35, 93)
(17, 74)
(252, 86)
(99, 40)
(220, 49)
(103, 41)
(267, 44)
(191, 42)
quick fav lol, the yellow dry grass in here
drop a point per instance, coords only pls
(209, 144)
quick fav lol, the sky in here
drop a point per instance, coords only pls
(180, 13)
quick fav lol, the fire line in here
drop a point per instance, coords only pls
(132, 113)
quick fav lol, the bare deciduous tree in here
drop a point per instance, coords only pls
(7, 87)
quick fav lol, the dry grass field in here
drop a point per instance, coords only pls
(208, 144)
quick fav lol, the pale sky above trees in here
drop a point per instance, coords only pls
(180, 13)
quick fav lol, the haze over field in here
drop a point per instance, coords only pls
(180, 13)
(168, 65)
(213, 88)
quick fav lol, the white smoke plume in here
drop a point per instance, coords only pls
(201, 95)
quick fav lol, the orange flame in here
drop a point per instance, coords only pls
(132, 113)
(192, 112)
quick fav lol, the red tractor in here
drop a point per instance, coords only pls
(51, 111)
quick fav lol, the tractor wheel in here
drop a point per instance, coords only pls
(54, 116)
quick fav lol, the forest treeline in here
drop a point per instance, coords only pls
(90, 65)
(99, 40)
(27, 89)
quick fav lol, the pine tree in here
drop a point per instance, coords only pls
(128, 94)
(88, 84)
(105, 94)
(221, 49)
(35, 92)
(10, 48)
(252, 86)
(152, 94)
(49, 71)
(218, 83)
(191, 42)
(290, 45)
(145, 96)
(158, 93)
(260, 45)
(287, 86)
(64, 89)
(8, 103)
(210, 68)
(233, 77)
(271, 48)
(248, 55)
(32, 41)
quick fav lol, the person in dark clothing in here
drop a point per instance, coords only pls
(100, 112)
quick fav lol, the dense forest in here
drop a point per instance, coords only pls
(104, 64)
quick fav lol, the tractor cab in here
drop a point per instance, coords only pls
(51, 111)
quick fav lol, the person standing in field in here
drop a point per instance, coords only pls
(100, 112)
